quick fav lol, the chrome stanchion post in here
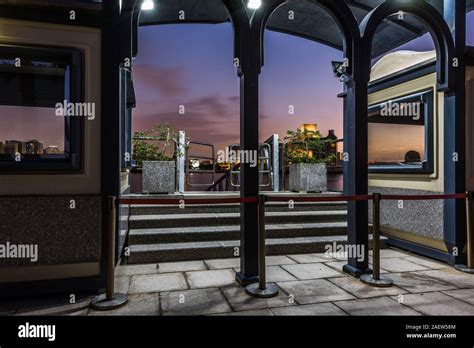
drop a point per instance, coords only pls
(468, 268)
(110, 300)
(261, 289)
(375, 279)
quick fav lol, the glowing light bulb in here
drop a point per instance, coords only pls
(254, 4)
(148, 5)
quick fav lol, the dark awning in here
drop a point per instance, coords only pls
(310, 22)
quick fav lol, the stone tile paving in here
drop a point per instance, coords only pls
(211, 278)
(313, 291)
(400, 265)
(253, 313)
(222, 263)
(184, 266)
(276, 274)
(136, 270)
(240, 301)
(122, 284)
(426, 262)
(337, 265)
(361, 290)
(452, 276)
(416, 282)
(310, 284)
(140, 304)
(279, 260)
(310, 258)
(435, 303)
(328, 309)
(466, 295)
(157, 283)
(194, 302)
(375, 306)
(312, 271)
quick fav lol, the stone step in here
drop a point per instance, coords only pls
(213, 233)
(234, 208)
(220, 219)
(150, 253)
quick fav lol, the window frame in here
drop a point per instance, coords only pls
(427, 96)
(75, 76)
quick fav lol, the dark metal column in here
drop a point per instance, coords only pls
(454, 136)
(110, 115)
(445, 83)
(355, 163)
(248, 71)
(249, 186)
(249, 45)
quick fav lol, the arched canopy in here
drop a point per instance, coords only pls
(393, 33)
(339, 12)
(223, 10)
(433, 21)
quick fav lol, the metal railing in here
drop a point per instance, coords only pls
(268, 161)
(223, 183)
(264, 163)
(189, 171)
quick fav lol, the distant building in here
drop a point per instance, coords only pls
(332, 135)
(52, 150)
(311, 127)
(2, 148)
(34, 147)
(14, 146)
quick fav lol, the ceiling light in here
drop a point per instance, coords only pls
(148, 5)
(254, 4)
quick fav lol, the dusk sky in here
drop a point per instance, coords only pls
(191, 65)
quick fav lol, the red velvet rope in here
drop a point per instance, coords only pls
(320, 199)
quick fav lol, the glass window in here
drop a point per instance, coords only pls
(41, 93)
(400, 134)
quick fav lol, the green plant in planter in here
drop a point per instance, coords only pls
(307, 146)
(158, 144)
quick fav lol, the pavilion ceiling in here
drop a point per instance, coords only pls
(310, 21)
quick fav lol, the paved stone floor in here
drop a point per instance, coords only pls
(310, 284)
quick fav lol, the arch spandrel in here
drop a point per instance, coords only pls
(431, 18)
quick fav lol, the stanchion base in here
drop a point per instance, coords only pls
(464, 268)
(100, 303)
(383, 282)
(269, 291)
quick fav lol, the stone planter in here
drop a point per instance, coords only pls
(158, 176)
(308, 177)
